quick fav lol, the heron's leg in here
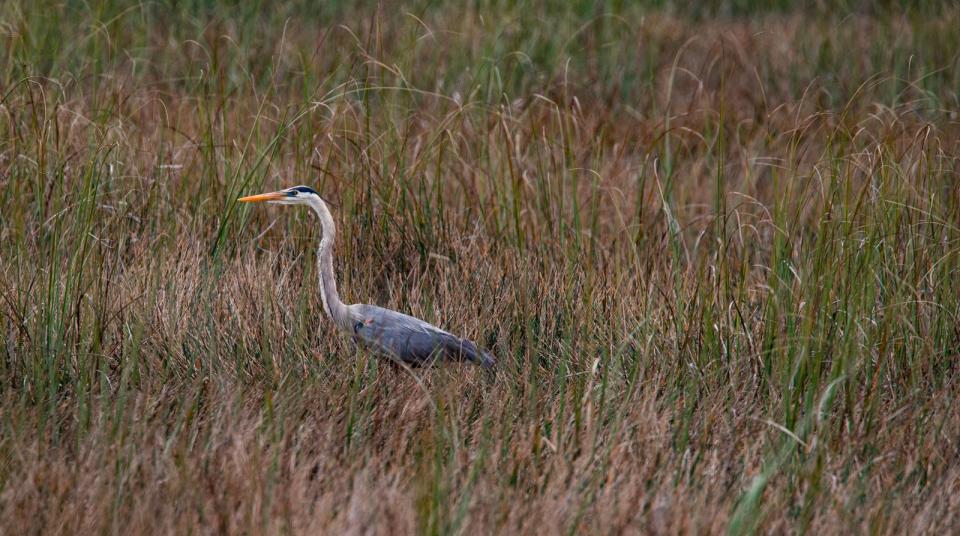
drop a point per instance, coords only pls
(394, 366)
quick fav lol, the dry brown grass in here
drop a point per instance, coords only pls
(716, 257)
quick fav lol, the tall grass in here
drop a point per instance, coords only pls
(714, 250)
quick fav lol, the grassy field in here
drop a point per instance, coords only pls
(716, 252)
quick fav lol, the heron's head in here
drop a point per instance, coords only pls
(298, 195)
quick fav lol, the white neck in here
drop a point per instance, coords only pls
(334, 308)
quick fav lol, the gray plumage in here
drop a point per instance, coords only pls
(396, 336)
(410, 340)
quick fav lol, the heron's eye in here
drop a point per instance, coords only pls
(292, 193)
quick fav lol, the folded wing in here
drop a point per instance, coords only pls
(410, 340)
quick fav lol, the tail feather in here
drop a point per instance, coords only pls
(461, 349)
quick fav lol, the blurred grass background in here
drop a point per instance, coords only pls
(714, 248)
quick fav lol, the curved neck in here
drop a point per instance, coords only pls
(335, 308)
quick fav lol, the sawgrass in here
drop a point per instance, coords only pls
(714, 249)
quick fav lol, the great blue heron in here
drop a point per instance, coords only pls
(399, 337)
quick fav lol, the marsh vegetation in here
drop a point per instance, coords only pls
(714, 250)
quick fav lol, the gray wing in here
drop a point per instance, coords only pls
(411, 340)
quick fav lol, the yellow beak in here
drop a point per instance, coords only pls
(272, 196)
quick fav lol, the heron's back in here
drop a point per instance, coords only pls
(411, 340)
